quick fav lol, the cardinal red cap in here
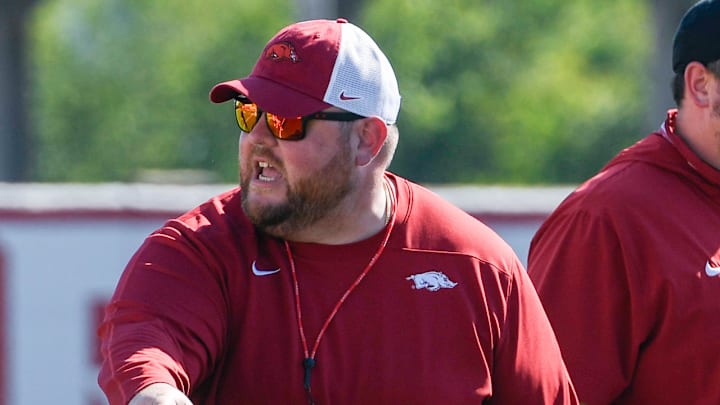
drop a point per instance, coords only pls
(312, 65)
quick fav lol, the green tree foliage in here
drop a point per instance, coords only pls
(514, 91)
(493, 91)
(122, 86)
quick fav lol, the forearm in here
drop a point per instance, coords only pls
(123, 375)
(160, 394)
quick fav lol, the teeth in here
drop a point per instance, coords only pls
(263, 165)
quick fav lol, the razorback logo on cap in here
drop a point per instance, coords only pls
(282, 51)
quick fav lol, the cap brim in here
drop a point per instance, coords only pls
(269, 96)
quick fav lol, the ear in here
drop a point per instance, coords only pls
(371, 138)
(698, 84)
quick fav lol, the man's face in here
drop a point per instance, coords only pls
(715, 99)
(290, 185)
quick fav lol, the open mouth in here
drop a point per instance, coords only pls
(267, 172)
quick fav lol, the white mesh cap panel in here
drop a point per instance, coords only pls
(363, 81)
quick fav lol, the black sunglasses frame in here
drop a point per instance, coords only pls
(343, 116)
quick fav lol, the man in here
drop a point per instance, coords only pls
(324, 278)
(627, 266)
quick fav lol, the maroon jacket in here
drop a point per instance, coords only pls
(625, 270)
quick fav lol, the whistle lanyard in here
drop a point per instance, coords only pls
(309, 355)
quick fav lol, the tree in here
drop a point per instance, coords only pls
(15, 139)
(312, 9)
(514, 92)
(666, 15)
(495, 91)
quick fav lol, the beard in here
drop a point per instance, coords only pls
(308, 200)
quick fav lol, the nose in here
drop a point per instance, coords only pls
(260, 134)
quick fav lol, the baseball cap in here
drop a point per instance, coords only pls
(312, 65)
(698, 35)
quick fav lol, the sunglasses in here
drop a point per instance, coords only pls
(288, 129)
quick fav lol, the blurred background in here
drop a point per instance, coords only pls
(106, 131)
(510, 92)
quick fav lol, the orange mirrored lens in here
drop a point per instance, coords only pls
(285, 128)
(246, 114)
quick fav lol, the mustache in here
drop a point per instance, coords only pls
(264, 153)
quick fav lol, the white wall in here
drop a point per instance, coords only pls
(57, 270)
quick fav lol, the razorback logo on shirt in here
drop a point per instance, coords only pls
(431, 281)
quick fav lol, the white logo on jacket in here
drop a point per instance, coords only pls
(431, 281)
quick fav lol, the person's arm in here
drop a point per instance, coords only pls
(528, 366)
(166, 321)
(160, 394)
(580, 272)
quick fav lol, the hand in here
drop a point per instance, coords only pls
(160, 394)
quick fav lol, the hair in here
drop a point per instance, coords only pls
(388, 150)
(678, 82)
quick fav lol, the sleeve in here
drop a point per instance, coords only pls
(166, 320)
(528, 367)
(580, 271)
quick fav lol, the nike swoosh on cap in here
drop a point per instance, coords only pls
(346, 98)
(259, 272)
